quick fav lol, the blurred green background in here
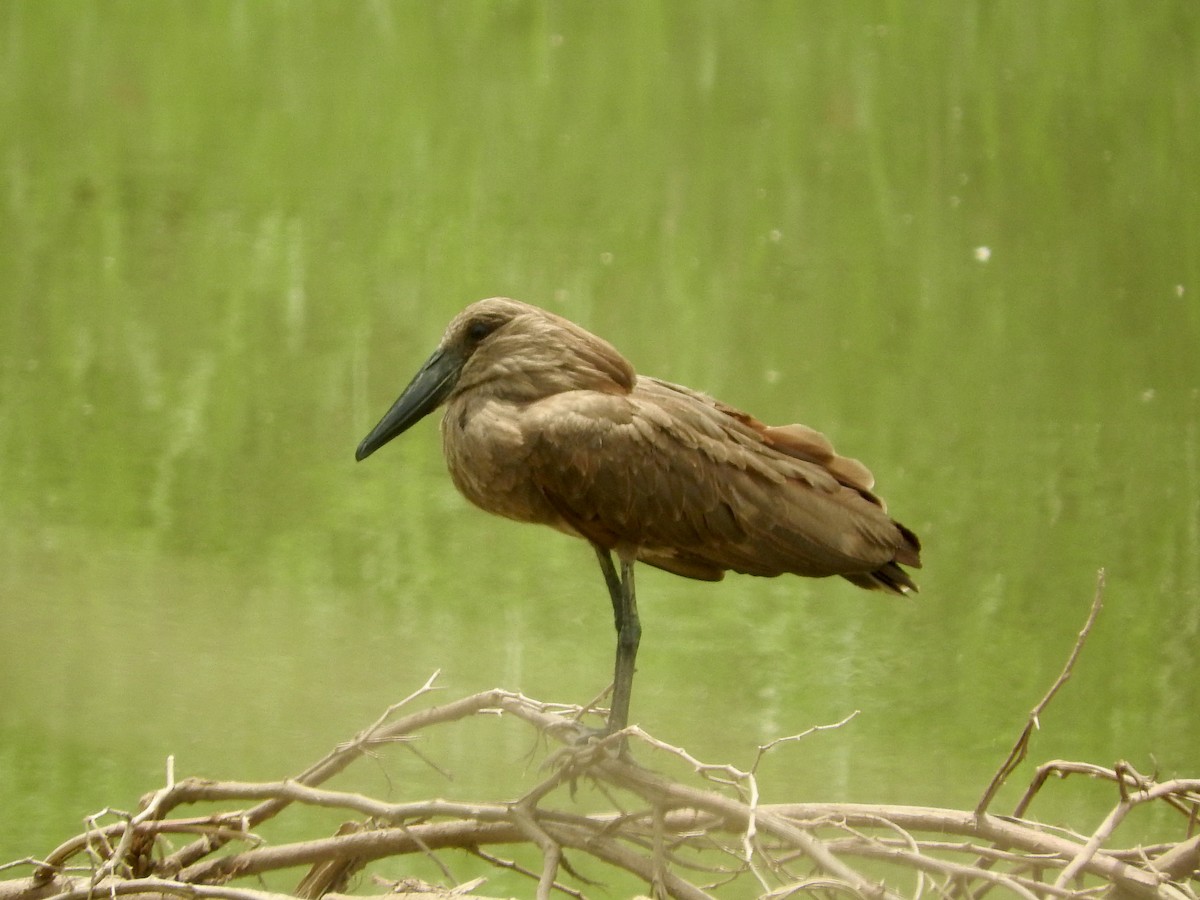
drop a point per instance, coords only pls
(959, 238)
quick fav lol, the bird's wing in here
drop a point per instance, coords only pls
(797, 440)
(674, 477)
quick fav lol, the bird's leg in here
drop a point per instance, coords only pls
(612, 580)
(629, 634)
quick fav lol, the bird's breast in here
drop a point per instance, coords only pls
(488, 458)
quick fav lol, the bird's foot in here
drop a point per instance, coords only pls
(590, 746)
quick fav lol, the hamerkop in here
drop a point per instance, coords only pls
(547, 423)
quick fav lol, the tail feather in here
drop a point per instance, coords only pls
(888, 577)
(908, 552)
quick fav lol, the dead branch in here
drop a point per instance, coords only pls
(688, 838)
(1021, 747)
(667, 828)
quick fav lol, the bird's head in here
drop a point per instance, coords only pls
(513, 352)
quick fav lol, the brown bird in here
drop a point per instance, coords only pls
(546, 422)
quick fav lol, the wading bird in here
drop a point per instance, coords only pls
(547, 423)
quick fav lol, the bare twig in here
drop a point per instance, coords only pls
(674, 835)
(1021, 747)
(763, 749)
(344, 755)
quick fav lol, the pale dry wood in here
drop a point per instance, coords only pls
(1174, 787)
(343, 756)
(1051, 850)
(581, 832)
(1021, 747)
(673, 836)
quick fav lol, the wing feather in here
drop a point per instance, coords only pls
(690, 485)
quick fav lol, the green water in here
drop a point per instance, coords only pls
(959, 238)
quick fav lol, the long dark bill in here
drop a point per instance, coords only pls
(425, 393)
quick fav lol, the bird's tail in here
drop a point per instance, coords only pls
(889, 577)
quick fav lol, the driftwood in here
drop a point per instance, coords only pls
(706, 834)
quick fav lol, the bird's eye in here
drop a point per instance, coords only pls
(481, 328)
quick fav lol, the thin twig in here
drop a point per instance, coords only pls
(342, 756)
(763, 749)
(1021, 747)
(660, 830)
(500, 863)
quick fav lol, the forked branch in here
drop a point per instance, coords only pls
(689, 837)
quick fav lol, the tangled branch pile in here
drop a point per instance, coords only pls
(684, 840)
(707, 833)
